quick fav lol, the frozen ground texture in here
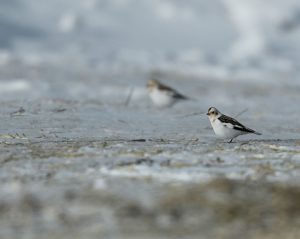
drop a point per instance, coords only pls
(77, 162)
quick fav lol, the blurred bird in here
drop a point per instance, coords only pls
(162, 95)
(225, 126)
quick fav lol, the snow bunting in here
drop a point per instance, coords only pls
(225, 126)
(162, 95)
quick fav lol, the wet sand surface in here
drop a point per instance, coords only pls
(77, 162)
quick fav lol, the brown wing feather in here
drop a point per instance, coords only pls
(175, 93)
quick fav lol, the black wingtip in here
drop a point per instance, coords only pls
(181, 97)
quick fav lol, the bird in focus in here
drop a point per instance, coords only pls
(227, 127)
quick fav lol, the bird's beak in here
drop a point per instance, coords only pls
(208, 114)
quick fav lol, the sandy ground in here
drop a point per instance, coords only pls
(76, 162)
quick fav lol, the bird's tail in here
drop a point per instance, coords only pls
(181, 97)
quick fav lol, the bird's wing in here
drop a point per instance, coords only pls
(234, 124)
(172, 92)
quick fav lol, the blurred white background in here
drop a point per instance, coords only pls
(233, 33)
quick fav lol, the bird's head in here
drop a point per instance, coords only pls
(213, 112)
(152, 84)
